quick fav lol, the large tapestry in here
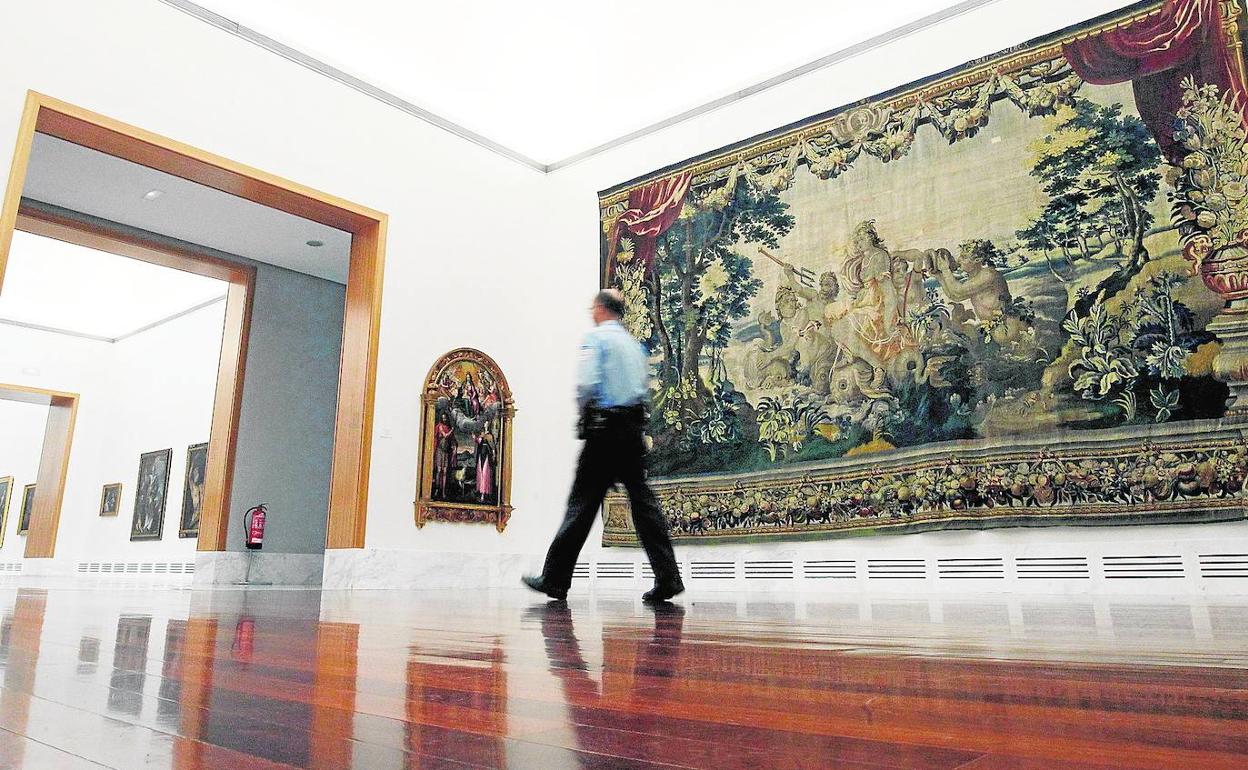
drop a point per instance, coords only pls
(1010, 294)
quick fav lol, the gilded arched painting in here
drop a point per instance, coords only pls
(465, 457)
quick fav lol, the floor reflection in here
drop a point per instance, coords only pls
(125, 686)
(275, 680)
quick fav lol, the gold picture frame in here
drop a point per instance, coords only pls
(465, 458)
(6, 496)
(28, 505)
(110, 504)
(193, 490)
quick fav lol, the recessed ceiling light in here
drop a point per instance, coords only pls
(152, 195)
(316, 244)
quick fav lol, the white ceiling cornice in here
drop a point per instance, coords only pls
(364, 87)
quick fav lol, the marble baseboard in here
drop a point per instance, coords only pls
(935, 567)
(363, 568)
(279, 569)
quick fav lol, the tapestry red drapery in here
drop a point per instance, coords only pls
(1184, 37)
(652, 208)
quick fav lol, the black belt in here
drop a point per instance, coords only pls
(596, 418)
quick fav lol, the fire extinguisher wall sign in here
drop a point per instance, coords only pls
(253, 526)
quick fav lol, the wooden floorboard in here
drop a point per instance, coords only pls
(273, 680)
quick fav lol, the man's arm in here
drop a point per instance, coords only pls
(588, 371)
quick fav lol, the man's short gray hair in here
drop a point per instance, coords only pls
(610, 300)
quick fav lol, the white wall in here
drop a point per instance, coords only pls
(985, 31)
(466, 261)
(148, 392)
(481, 252)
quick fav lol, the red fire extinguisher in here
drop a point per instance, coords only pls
(253, 525)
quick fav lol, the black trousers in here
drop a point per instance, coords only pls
(614, 451)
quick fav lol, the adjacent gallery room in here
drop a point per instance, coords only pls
(358, 364)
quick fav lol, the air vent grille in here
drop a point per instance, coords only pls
(896, 569)
(647, 572)
(1142, 567)
(713, 570)
(581, 570)
(824, 569)
(986, 568)
(768, 570)
(615, 570)
(1051, 567)
(1224, 565)
(136, 568)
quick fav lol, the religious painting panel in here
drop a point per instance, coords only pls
(193, 490)
(1015, 293)
(28, 507)
(465, 467)
(151, 494)
(6, 495)
(110, 500)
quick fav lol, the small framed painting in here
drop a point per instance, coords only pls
(110, 500)
(6, 493)
(28, 506)
(151, 494)
(193, 490)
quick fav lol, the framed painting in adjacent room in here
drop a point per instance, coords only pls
(28, 505)
(6, 492)
(110, 500)
(150, 496)
(465, 466)
(193, 490)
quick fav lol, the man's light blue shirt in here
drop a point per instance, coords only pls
(613, 368)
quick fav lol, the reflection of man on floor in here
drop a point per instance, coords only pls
(656, 662)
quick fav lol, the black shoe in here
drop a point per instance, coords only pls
(538, 583)
(661, 593)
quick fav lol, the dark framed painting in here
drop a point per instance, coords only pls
(150, 495)
(110, 500)
(465, 468)
(6, 494)
(193, 490)
(28, 507)
(1014, 293)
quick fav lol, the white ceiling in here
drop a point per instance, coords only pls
(91, 182)
(552, 79)
(58, 285)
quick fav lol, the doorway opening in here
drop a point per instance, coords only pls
(49, 120)
(36, 503)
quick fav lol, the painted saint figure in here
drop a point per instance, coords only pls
(486, 463)
(472, 398)
(443, 454)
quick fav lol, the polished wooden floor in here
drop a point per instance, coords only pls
(128, 677)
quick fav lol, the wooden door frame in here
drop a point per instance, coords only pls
(58, 438)
(353, 423)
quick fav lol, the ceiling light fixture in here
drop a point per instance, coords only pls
(316, 244)
(152, 195)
